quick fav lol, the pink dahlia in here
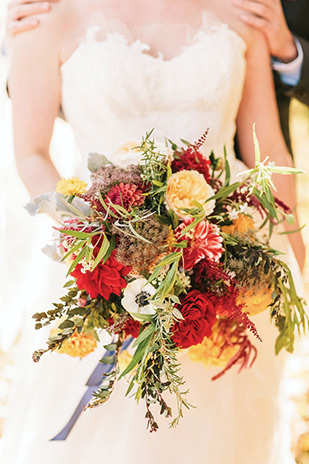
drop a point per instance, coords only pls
(204, 241)
(125, 195)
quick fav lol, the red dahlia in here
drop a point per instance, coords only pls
(132, 328)
(199, 313)
(105, 279)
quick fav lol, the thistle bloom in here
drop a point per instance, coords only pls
(72, 186)
(185, 187)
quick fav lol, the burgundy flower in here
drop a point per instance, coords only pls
(192, 159)
(104, 279)
(132, 328)
(204, 241)
(199, 313)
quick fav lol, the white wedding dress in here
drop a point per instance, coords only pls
(115, 91)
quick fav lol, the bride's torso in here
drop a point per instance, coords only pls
(179, 77)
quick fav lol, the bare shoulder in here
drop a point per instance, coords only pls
(53, 33)
(227, 13)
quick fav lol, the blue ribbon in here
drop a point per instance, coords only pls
(93, 383)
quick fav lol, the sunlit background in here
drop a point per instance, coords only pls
(13, 217)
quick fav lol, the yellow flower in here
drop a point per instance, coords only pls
(78, 345)
(208, 352)
(184, 187)
(71, 186)
(303, 442)
(124, 360)
(256, 299)
(170, 239)
(242, 224)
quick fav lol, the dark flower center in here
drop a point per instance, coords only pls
(142, 299)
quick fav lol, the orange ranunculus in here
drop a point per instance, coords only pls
(242, 224)
(184, 187)
(256, 300)
(78, 345)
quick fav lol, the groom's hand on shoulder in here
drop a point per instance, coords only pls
(22, 14)
(268, 17)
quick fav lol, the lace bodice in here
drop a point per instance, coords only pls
(115, 91)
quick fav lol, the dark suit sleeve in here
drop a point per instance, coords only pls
(301, 90)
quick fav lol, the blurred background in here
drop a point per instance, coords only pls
(13, 217)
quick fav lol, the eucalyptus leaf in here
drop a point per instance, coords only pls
(110, 347)
(97, 161)
(108, 360)
(67, 324)
(69, 284)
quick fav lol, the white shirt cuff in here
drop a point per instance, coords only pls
(289, 73)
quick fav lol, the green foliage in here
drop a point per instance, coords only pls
(108, 381)
(256, 263)
(155, 369)
(89, 318)
(155, 171)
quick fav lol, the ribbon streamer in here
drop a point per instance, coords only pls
(93, 383)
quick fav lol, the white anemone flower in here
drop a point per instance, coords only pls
(136, 297)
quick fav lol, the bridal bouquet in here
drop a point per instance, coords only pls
(168, 252)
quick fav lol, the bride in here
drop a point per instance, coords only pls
(119, 69)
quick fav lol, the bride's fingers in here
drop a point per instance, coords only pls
(254, 21)
(260, 9)
(15, 27)
(19, 12)
(13, 3)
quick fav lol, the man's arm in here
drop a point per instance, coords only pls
(268, 17)
(301, 90)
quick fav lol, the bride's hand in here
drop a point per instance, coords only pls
(22, 14)
(268, 17)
